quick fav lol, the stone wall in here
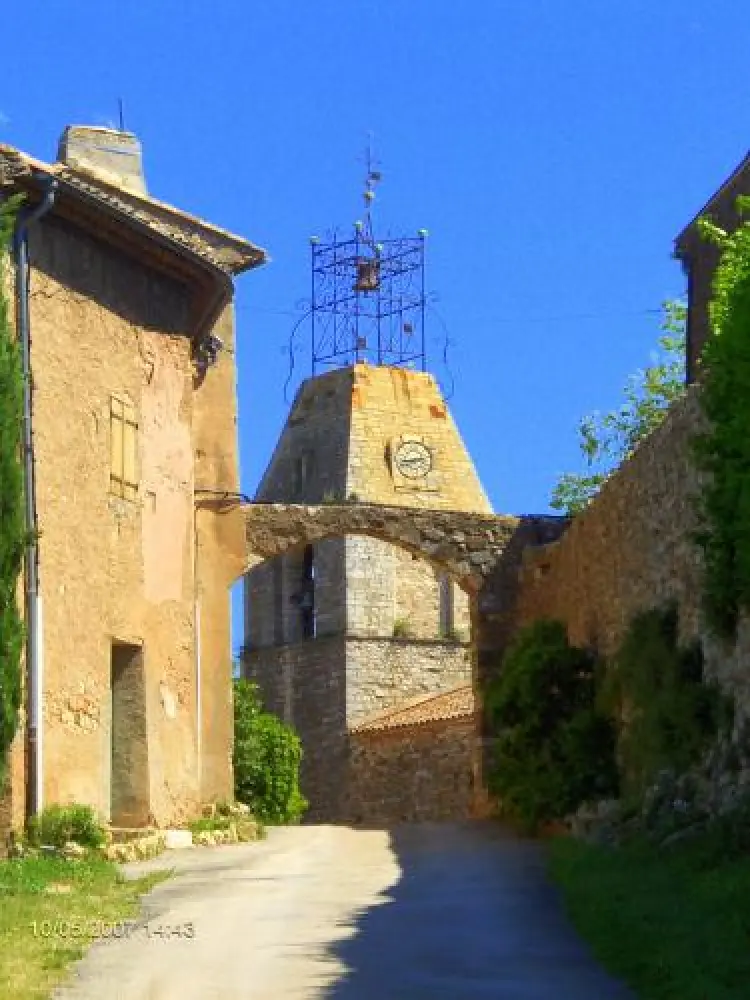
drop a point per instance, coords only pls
(305, 684)
(413, 773)
(631, 550)
(467, 546)
(383, 673)
(323, 686)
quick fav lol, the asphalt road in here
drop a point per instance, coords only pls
(428, 912)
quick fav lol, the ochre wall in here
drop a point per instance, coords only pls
(220, 558)
(120, 570)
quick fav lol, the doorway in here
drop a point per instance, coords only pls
(129, 795)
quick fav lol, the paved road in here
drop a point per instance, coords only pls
(432, 912)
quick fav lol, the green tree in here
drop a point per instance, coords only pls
(607, 440)
(553, 749)
(266, 758)
(13, 534)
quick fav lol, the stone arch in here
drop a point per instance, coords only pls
(480, 552)
(466, 546)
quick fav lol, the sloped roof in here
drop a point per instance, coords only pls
(737, 182)
(456, 703)
(217, 247)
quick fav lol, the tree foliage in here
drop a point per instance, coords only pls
(607, 440)
(13, 534)
(553, 749)
(669, 715)
(266, 758)
(723, 452)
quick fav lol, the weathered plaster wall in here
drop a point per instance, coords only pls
(220, 556)
(115, 570)
(112, 569)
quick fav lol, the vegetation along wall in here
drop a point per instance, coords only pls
(633, 549)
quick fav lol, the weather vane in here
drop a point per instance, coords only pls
(373, 177)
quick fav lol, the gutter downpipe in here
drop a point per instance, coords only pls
(34, 661)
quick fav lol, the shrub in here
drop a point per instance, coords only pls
(553, 748)
(266, 757)
(669, 715)
(57, 824)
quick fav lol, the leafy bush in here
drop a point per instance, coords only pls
(57, 824)
(266, 757)
(670, 716)
(553, 748)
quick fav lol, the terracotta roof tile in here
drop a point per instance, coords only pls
(217, 246)
(456, 703)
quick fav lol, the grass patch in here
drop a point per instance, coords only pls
(673, 925)
(51, 910)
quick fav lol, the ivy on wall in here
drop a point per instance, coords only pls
(12, 523)
(723, 451)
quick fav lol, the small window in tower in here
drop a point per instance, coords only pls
(277, 570)
(302, 475)
(447, 625)
(123, 477)
(307, 596)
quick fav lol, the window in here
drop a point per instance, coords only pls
(123, 478)
(302, 474)
(307, 603)
(278, 600)
(445, 585)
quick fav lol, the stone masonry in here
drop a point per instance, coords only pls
(399, 564)
(115, 299)
(632, 550)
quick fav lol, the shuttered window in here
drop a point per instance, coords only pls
(123, 474)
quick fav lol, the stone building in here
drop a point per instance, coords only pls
(134, 444)
(700, 258)
(345, 631)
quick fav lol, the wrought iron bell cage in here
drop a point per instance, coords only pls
(368, 301)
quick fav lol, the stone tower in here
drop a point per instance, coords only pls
(353, 625)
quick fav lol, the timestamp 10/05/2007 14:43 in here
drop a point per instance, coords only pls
(112, 930)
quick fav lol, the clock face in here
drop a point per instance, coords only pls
(413, 459)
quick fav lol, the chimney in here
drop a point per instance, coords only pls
(106, 153)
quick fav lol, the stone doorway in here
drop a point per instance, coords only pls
(129, 795)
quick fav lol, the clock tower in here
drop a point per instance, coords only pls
(353, 626)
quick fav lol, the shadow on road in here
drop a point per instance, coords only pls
(472, 916)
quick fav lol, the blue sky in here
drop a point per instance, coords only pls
(552, 149)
